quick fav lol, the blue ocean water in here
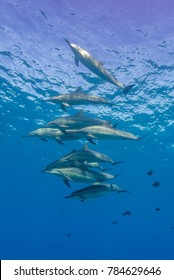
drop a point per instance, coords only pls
(135, 41)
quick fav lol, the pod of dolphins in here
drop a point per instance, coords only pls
(78, 165)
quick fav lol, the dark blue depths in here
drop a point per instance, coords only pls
(37, 222)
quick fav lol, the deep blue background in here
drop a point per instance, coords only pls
(135, 40)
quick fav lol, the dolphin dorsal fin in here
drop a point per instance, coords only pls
(102, 62)
(80, 113)
(111, 187)
(79, 89)
(85, 147)
(76, 61)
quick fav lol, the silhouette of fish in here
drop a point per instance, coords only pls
(127, 213)
(150, 173)
(156, 184)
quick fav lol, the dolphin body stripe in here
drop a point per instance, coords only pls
(95, 66)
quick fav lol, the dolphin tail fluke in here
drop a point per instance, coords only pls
(117, 175)
(68, 196)
(43, 170)
(124, 191)
(127, 88)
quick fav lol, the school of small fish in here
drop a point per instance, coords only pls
(83, 165)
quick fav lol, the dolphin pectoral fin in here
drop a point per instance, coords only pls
(63, 130)
(63, 106)
(58, 140)
(43, 139)
(82, 199)
(67, 182)
(76, 61)
(127, 88)
(90, 138)
(79, 89)
(91, 141)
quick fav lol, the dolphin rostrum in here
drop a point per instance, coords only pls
(95, 66)
(95, 190)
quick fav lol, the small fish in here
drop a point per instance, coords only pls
(156, 184)
(172, 227)
(157, 209)
(114, 222)
(68, 235)
(127, 213)
(150, 173)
